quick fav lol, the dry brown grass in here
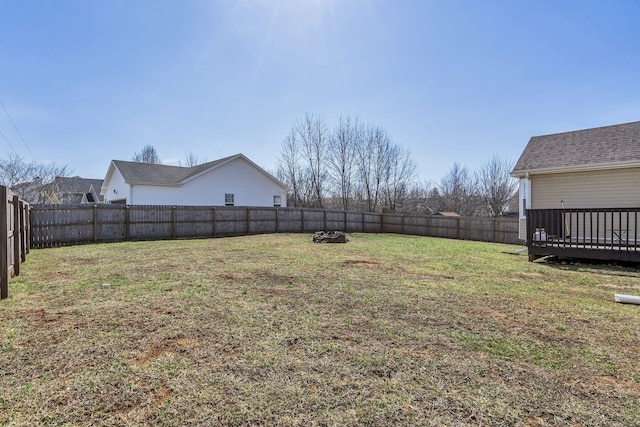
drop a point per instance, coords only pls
(275, 330)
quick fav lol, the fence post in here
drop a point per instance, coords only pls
(23, 234)
(27, 228)
(458, 228)
(302, 219)
(16, 235)
(324, 223)
(127, 212)
(213, 220)
(277, 220)
(95, 223)
(248, 223)
(173, 222)
(345, 221)
(4, 242)
(494, 230)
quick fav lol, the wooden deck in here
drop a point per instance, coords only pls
(599, 233)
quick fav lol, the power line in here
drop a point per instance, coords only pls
(12, 149)
(16, 128)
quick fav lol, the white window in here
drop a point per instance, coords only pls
(228, 199)
(525, 197)
(277, 201)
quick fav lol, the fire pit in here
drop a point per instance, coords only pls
(329, 237)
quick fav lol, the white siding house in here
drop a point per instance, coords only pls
(231, 181)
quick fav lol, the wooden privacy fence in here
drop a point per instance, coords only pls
(14, 237)
(57, 226)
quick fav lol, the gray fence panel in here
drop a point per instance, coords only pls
(55, 226)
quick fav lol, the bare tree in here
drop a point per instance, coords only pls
(15, 170)
(31, 181)
(400, 171)
(371, 155)
(342, 148)
(358, 166)
(417, 199)
(191, 160)
(457, 192)
(148, 154)
(313, 135)
(292, 171)
(496, 185)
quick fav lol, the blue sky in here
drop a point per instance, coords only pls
(87, 81)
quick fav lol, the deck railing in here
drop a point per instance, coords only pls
(603, 233)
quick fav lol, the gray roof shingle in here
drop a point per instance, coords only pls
(75, 184)
(70, 190)
(582, 148)
(147, 173)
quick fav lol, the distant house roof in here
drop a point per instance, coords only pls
(157, 174)
(75, 184)
(75, 190)
(615, 145)
(450, 214)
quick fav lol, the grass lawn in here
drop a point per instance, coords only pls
(273, 329)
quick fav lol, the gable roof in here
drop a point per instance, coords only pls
(615, 145)
(157, 174)
(75, 184)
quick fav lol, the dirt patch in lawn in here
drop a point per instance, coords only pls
(361, 263)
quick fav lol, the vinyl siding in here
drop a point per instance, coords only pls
(117, 188)
(249, 186)
(618, 188)
(594, 189)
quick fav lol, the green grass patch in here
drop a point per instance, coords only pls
(276, 330)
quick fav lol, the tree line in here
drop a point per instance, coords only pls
(351, 166)
(357, 166)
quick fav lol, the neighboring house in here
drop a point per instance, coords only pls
(61, 191)
(591, 168)
(231, 181)
(75, 191)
